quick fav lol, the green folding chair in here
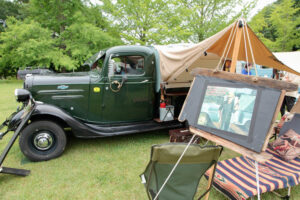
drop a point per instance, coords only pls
(183, 183)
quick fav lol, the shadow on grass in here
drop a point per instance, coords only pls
(117, 141)
(6, 178)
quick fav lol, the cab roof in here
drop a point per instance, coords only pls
(131, 49)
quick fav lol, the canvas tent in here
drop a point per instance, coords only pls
(290, 59)
(176, 64)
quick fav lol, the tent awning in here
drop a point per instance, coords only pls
(176, 64)
(290, 59)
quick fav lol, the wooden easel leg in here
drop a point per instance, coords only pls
(257, 180)
(210, 179)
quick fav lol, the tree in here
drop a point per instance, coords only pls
(83, 39)
(206, 17)
(145, 22)
(56, 33)
(8, 8)
(55, 15)
(278, 25)
(29, 44)
(172, 21)
(285, 22)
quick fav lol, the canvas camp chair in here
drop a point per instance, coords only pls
(185, 179)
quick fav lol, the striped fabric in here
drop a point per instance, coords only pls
(236, 177)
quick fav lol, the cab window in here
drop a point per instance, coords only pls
(128, 65)
(98, 64)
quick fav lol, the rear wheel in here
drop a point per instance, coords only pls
(42, 140)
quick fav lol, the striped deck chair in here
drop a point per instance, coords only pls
(236, 179)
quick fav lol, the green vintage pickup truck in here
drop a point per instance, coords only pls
(121, 94)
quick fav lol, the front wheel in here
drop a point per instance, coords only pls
(42, 140)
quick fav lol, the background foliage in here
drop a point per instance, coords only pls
(62, 34)
(27, 43)
(172, 21)
(278, 25)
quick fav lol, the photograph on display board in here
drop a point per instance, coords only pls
(228, 109)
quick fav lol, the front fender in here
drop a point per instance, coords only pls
(42, 109)
(48, 110)
(51, 110)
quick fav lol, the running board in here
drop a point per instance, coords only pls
(86, 130)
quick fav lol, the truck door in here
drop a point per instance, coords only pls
(129, 89)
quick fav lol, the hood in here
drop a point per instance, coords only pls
(69, 91)
(56, 79)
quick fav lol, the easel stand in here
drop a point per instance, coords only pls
(257, 180)
(14, 171)
(260, 157)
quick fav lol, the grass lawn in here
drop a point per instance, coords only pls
(106, 168)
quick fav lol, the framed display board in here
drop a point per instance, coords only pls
(239, 112)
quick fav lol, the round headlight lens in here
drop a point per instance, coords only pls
(22, 95)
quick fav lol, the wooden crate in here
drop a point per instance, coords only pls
(182, 135)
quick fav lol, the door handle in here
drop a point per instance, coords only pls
(144, 81)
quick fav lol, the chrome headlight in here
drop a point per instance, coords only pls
(22, 95)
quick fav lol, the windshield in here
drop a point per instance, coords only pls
(94, 58)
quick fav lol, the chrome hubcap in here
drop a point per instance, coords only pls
(43, 141)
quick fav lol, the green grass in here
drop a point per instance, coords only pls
(106, 168)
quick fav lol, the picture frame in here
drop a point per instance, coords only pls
(247, 126)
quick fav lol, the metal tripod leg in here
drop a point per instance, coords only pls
(6, 170)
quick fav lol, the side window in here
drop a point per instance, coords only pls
(98, 64)
(129, 65)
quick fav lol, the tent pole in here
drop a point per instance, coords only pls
(236, 47)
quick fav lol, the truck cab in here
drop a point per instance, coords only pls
(126, 86)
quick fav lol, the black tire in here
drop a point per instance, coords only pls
(41, 131)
